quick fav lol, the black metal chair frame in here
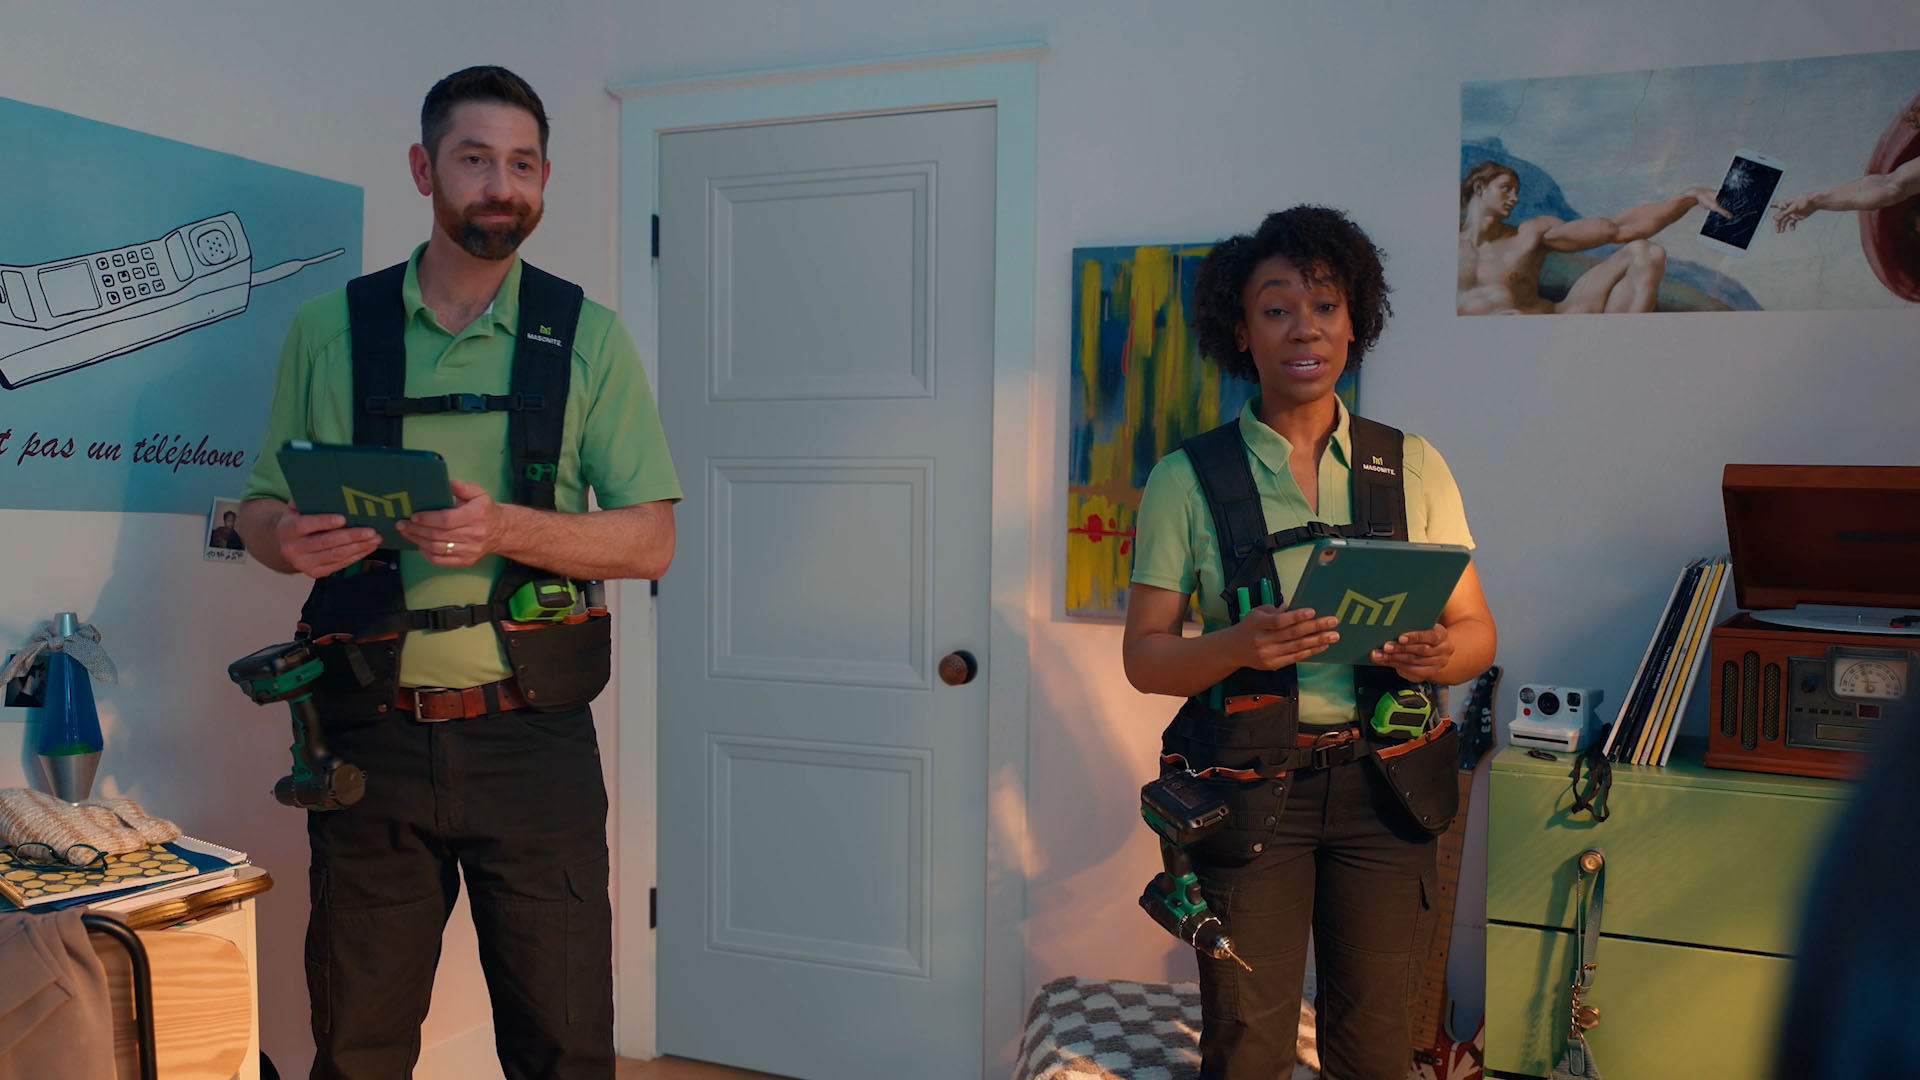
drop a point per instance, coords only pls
(142, 987)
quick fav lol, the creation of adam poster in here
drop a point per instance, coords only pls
(1791, 184)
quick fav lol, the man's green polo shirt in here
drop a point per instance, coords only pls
(1174, 545)
(611, 442)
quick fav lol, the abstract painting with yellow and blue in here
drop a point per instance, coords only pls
(1139, 388)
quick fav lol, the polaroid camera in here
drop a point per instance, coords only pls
(1555, 717)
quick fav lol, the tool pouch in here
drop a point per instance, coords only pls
(561, 666)
(1423, 775)
(1208, 739)
(357, 678)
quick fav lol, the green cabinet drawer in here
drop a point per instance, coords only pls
(1667, 1012)
(1694, 855)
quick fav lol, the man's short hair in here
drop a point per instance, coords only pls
(1480, 176)
(483, 83)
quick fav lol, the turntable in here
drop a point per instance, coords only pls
(1826, 562)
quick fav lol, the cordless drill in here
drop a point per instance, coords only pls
(1179, 813)
(286, 672)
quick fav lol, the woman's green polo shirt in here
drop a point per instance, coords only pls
(1175, 549)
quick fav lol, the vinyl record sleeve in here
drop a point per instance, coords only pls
(1379, 589)
(371, 486)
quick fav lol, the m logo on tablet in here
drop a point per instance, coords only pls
(1364, 611)
(362, 504)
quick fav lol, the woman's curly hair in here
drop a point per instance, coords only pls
(1319, 240)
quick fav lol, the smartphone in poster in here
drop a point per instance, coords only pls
(1746, 192)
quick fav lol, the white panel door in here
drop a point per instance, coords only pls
(826, 331)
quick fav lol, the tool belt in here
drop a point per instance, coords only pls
(555, 666)
(1254, 780)
(1317, 750)
(429, 704)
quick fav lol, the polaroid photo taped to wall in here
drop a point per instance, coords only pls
(222, 541)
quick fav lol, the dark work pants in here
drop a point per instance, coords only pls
(1349, 863)
(517, 803)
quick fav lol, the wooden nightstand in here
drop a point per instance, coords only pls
(206, 995)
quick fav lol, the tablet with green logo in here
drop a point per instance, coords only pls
(1378, 589)
(371, 486)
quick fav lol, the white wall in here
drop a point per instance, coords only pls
(1589, 452)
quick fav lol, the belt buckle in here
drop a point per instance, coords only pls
(1324, 744)
(419, 706)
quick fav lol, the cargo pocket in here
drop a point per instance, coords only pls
(589, 942)
(1221, 991)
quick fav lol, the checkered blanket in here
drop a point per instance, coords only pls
(1093, 1029)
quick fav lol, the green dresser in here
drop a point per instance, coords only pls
(1705, 871)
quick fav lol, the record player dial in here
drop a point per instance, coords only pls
(1864, 677)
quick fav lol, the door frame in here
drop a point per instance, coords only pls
(1006, 78)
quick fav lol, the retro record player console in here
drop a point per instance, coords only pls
(1826, 564)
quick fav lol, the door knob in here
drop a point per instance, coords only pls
(958, 668)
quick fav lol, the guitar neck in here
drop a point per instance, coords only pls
(1427, 994)
(1427, 985)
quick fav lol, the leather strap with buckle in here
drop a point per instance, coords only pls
(431, 704)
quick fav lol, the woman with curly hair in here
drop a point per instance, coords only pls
(1317, 841)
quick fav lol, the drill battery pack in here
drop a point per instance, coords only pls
(1180, 809)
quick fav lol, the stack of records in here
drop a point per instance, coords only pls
(1649, 719)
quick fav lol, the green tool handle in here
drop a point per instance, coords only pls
(309, 748)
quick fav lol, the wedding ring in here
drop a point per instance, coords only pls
(449, 547)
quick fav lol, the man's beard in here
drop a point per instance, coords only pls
(492, 240)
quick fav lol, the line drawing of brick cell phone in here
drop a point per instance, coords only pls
(67, 313)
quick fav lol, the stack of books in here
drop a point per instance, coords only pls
(1649, 720)
(122, 882)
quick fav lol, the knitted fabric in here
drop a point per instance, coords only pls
(83, 645)
(38, 825)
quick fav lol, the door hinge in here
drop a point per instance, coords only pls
(656, 236)
(653, 908)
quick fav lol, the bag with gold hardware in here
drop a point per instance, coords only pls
(1576, 1061)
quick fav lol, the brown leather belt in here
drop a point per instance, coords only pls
(435, 703)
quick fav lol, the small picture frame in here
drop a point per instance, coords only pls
(222, 535)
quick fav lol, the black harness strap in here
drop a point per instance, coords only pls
(536, 404)
(452, 403)
(542, 368)
(379, 321)
(1219, 459)
(1379, 497)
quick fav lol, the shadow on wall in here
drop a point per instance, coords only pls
(188, 744)
(1090, 855)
